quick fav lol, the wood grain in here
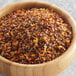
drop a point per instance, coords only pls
(20, 71)
(13, 70)
(1, 66)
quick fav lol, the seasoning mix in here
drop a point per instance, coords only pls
(34, 36)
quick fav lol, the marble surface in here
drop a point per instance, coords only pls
(70, 7)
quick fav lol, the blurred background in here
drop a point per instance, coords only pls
(70, 7)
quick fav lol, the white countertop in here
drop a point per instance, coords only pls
(70, 7)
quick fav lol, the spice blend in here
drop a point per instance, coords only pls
(33, 36)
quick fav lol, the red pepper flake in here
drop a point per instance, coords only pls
(34, 36)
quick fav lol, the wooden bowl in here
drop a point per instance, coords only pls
(51, 68)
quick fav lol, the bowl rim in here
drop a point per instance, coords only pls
(71, 49)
